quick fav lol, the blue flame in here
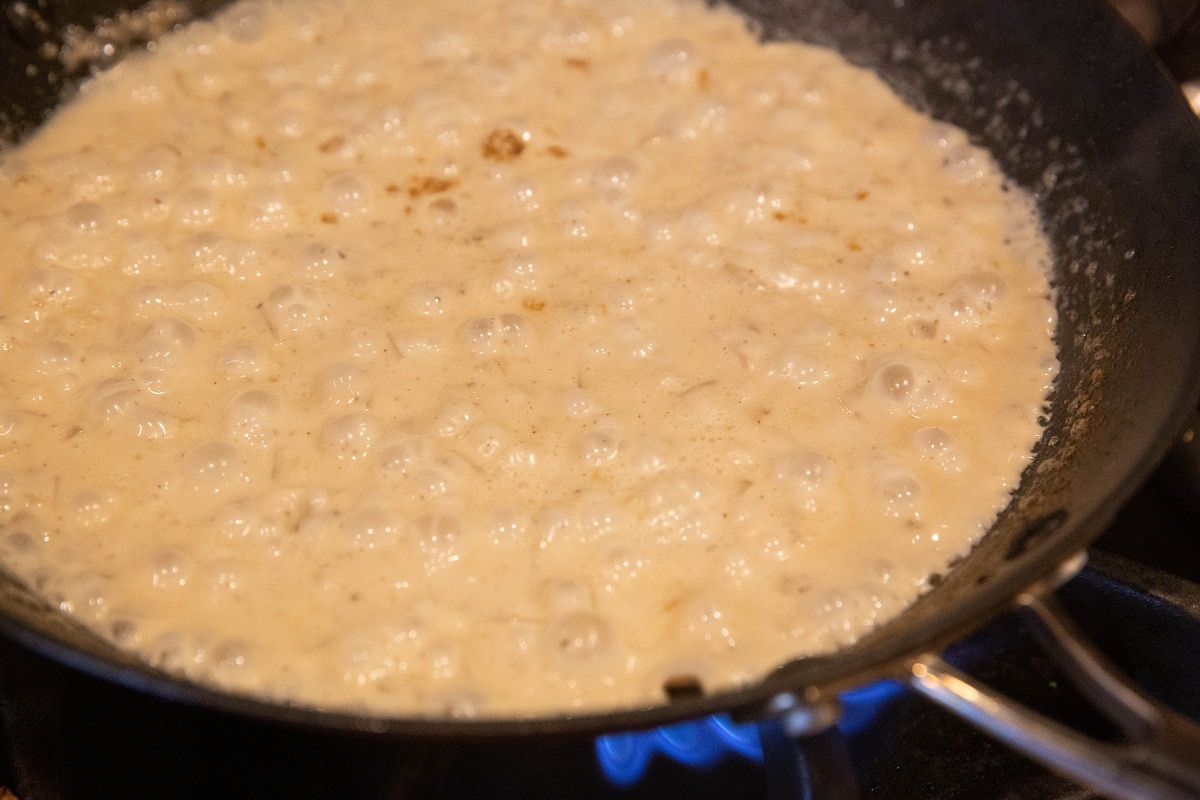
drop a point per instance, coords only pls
(861, 705)
(625, 757)
(699, 743)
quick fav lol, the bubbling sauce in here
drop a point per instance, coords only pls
(503, 357)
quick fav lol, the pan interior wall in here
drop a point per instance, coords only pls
(1093, 130)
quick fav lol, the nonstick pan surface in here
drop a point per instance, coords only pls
(1076, 110)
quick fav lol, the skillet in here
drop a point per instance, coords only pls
(1076, 110)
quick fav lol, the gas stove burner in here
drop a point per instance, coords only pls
(625, 757)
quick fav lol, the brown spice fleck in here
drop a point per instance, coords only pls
(329, 218)
(391, 188)
(502, 145)
(331, 144)
(557, 151)
(429, 185)
(261, 142)
(703, 79)
(855, 246)
(861, 194)
(577, 63)
(782, 215)
(534, 304)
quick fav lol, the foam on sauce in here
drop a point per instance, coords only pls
(503, 357)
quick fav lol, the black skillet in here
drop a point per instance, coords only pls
(1075, 109)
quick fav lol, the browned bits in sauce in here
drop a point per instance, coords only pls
(331, 144)
(502, 145)
(534, 304)
(786, 215)
(391, 188)
(260, 142)
(329, 218)
(577, 63)
(861, 194)
(418, 186)
(703, 80)
(855, 246)
(557, 151)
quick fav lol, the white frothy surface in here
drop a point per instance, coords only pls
(503, 357)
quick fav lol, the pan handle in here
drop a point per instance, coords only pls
(1160, 757)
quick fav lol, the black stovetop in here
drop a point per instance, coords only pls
(71, 736)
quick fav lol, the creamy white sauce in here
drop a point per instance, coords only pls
(503, 357)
